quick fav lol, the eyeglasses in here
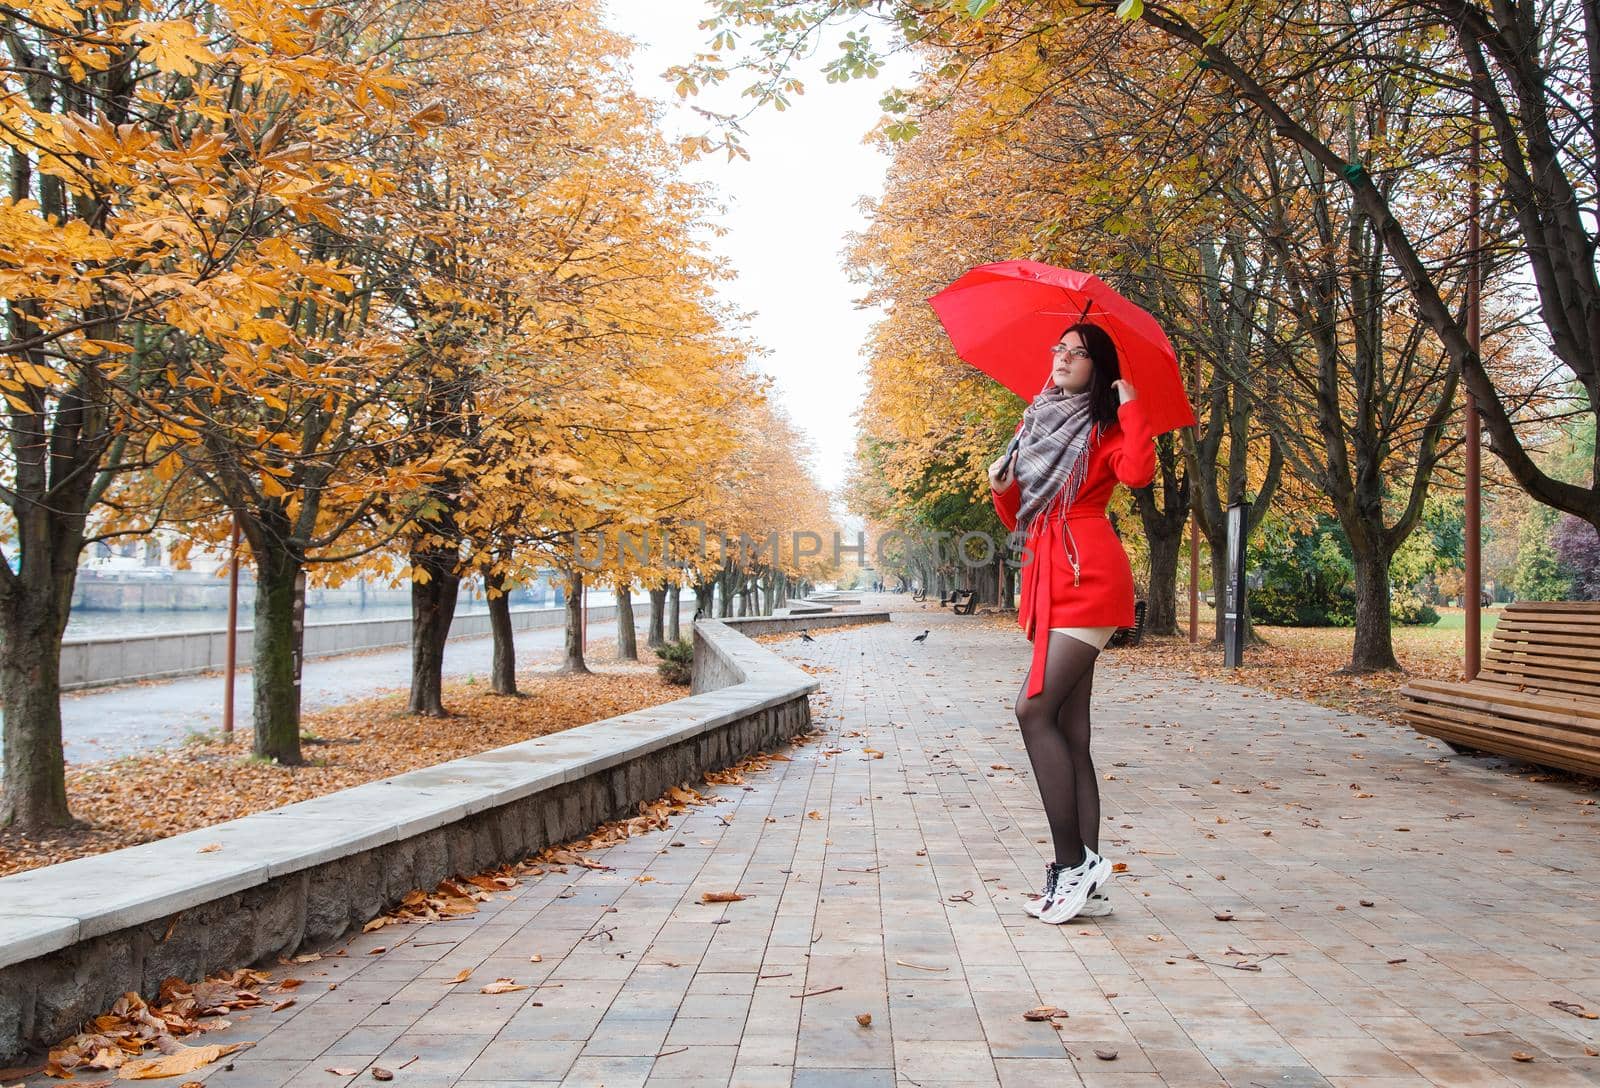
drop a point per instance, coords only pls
(1080, 354)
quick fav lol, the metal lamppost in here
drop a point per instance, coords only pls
(1473, 576)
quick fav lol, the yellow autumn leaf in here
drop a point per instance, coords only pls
(186, 1059)
(172, 45)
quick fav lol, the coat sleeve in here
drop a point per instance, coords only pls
(1006, 504)
(1134, 458)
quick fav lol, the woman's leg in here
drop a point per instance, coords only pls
(1074, 723)
(1068, 663)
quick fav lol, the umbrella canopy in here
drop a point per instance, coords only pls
(1003, 318)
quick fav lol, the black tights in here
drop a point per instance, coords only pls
(1055, 728)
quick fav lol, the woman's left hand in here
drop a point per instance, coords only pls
(1125, 390)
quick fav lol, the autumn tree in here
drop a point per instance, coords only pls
(153, 155)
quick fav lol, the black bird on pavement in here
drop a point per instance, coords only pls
(920, 638)
(806, 638)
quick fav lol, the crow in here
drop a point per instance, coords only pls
(698, 613)
(806, 638)
(920, 638)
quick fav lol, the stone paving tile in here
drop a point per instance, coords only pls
(1411, 913)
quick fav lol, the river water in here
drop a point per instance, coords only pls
(85, 623)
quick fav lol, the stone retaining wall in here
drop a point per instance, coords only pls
(75, 936)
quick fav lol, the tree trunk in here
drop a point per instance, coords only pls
(658, 607)
(574, 632)
(674, 612)
(725, 583)
(433, 608)
(1374, 645)
(1219, 581)
(770, 590)
(627, 639)
(32, 622)
(503, 669)
(1161, 596)
(275, 655)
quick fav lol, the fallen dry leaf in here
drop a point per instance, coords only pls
(1521, 1056)
(502, 986)
(210, 848)
(461, 976)
(1119, 867)
(185, 1059)
(1045, 1012)
(341, 1072)
(721, 897)
(865, 1019)
(380, 1073)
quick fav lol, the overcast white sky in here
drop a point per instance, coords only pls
(787, 213)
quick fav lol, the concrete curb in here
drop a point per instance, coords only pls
(75, 936)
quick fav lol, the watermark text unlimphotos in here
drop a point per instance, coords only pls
(692, 543)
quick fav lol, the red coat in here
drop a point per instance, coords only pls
(1101, 595)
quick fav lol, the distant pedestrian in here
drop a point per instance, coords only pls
(1082, 435)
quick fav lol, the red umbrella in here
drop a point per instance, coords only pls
(1002, 318)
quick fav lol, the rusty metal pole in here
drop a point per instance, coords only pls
(233, 628)
(1194, 535)
(1472, 530)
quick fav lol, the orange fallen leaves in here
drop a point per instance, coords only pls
(161, 793)
(113, 1039)
(1301, 662)
(185, 1059)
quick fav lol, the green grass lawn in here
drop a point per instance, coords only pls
(1455, 619)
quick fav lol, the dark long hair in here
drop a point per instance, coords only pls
(1103, 354)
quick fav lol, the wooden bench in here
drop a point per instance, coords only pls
(1537, 696)
(1131, 636)
(963, 602)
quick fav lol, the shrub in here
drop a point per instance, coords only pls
(1406, 607)
(677, 661)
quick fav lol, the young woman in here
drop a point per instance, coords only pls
(1081, 436)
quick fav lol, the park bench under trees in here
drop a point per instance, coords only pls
(1537, 696)
(1131, 636)
(963, 602)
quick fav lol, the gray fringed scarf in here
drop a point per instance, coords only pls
(1051, 465)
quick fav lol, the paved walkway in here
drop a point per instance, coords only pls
(103, 723)
(1412, 916)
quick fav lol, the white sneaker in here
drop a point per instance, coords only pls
(1098, 906)
(1034, 907)
(1073, 888)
